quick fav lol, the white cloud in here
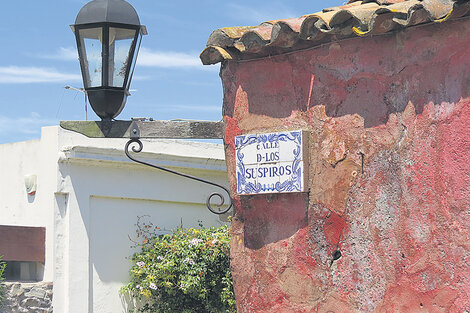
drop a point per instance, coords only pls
(23, 75)
(63, 54)
(168, 59)
(147, 57)
(141, 77)
(28, 125)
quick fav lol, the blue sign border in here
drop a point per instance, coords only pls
(293, 184)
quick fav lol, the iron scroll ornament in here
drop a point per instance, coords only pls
(136, 140)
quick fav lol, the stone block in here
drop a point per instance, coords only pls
(37, 292)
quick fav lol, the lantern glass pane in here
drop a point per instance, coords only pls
(134, 59)
(91, 47)
(120, 43)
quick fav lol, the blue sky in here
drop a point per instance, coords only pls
(38, 58)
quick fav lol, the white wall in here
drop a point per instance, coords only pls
(89, 197)
(17, 208)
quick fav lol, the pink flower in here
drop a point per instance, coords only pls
(153, 286)
(140, 264)
(195, 241)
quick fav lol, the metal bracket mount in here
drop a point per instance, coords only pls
(135, 139)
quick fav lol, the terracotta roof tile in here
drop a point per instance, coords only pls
(356, 18)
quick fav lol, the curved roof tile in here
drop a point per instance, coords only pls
(356, 18)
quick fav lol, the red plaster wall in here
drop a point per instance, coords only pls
(389, 176)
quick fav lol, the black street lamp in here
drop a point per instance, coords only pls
(108, 34)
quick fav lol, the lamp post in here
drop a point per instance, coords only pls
(108, 35)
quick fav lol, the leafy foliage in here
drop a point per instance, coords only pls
(3, 265)
(186, 271)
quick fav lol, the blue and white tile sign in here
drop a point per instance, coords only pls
(270, 163)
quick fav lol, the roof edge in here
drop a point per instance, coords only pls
(356, 19)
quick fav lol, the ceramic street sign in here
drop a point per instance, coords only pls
(270, 163)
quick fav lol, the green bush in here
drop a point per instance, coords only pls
(186, 271)
(3, 265)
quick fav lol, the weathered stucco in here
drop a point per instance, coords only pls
(385, 226)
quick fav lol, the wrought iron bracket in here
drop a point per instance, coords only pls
(135, 139)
